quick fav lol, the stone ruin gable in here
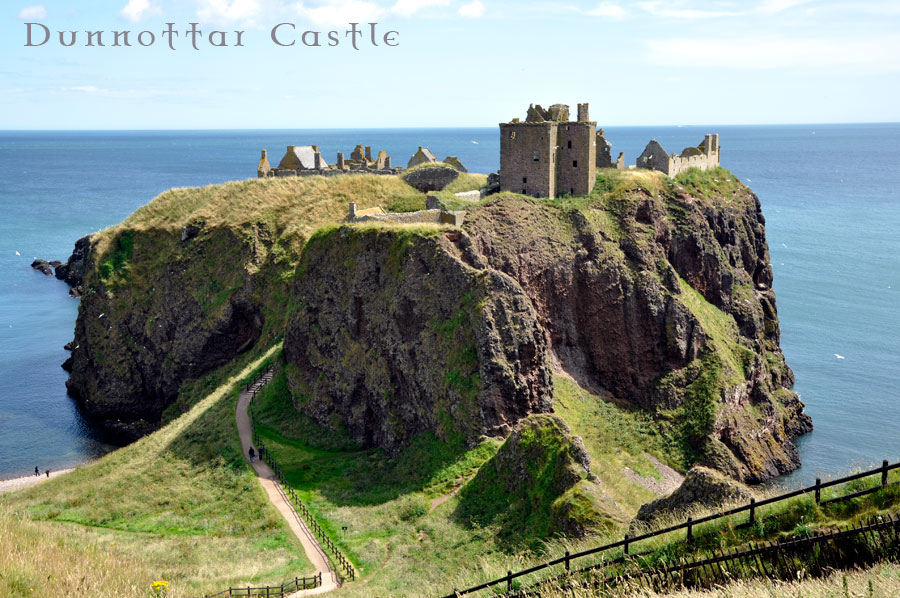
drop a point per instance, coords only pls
(548, 154)
(297, 159)
(422, 156)
(383, 161)
(428, 216)
(654, 157)
(705, 157)
(455, 163)
(302, 157)
(264, 167)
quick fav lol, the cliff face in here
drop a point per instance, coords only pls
(395, 334)
(651, 291)
(137, 339)
(189, 282)
(659, 293)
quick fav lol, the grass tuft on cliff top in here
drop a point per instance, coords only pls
(295, 205)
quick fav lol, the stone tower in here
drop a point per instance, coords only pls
(549, 155)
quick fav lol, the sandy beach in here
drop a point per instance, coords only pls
(26, 481)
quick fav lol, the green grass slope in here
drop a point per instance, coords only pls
(180, 505)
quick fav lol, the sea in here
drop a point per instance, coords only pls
(830, 195)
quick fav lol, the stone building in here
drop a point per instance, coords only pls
(302, 157)
(423, 156)
(307, 160)
(548, 154)
(705, 156)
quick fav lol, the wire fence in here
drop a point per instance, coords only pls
(628, 542)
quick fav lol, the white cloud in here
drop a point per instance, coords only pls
(771, 7)
(91, 89)
(408, 8)
(340, 12)
(610, 10)
(33, 12)
(472, 10)
(758, 53)
(136, 10)
(670, 10)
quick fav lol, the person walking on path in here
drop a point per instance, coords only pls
(48, 473)
(252, 453)
(37, 471)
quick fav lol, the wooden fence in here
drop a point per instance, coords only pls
(817, 554)
(627, 543)
(299, 583)
(253, 388)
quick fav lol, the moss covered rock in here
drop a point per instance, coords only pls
(394, 334)
(702, 488)
(538, 485)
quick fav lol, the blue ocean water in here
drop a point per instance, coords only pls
(829, 193)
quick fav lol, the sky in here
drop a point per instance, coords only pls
(453, 63)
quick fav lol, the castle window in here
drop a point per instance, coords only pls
(536, 156)
(570, 144)
(512, 135)
(572, 191)
(524, 179)
(574, 163)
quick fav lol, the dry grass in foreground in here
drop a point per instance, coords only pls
(179, 505)
(881, 581)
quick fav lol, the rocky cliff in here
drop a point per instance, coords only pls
(395, 334)
(659, 292)
(189, 282)
(651, 291)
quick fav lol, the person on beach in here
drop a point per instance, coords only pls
(252, 453)
(47, 472)
(37, 471)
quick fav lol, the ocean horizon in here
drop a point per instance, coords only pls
(829, 194)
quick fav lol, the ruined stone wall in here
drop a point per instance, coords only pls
(528, 158)
(329, 173)
(678, 164)
(430, 216)
(576, 167)
(705, 156)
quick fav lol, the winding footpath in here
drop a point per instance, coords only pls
(279, 499)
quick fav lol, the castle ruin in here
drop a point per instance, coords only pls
(705, 157)
(306, 160)
(549, 154)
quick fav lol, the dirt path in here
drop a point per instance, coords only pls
(28, 480)
(277, 497)
(668, 481)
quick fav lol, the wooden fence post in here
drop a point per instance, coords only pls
(567, 561)
(625, 548)
(690, 529)
(818, 490)
(508, 581)
(884, 473)
(752, 510)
